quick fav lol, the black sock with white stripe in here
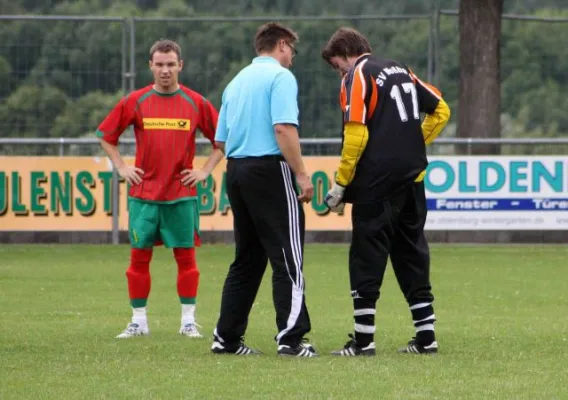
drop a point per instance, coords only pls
(423, 318)
(364, 315)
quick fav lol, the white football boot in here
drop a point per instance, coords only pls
(133, 330)
(190, 330)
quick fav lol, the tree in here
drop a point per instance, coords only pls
(83, 59)
(31, 110)
(83, 115)
(5, 75)
(480, 93)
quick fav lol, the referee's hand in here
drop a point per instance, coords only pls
(306, 188)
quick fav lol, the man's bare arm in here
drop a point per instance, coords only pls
(132, 175)
(193, 177)
(221, 145)
(289, 143)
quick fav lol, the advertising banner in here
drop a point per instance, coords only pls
(75, 194)
(497, 193)
(464, 193)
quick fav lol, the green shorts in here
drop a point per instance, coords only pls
(174, 225)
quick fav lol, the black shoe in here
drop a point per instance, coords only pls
(416, 348)
(240, 349)
(351, 349)
(304, 349)
(306, 343)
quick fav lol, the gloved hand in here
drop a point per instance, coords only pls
(333, 198)
(338, 209)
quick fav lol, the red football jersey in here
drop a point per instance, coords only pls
(164, 126)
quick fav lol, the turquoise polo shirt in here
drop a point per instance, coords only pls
(261, 95)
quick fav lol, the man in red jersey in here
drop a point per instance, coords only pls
(162, 200)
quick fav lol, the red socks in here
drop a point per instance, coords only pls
(188, 275)
(138, 275)
(139, 282)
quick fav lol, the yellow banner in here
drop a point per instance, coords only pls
(75, 194)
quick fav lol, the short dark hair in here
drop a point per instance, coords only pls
(268, 35)
(346, 42)
(165, 46)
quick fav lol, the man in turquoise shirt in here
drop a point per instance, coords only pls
(257, 128)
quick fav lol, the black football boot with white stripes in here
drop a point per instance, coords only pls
(240, 349)
(416, 348)
(304, 349)
(351, 349)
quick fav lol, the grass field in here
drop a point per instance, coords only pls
(502, 329)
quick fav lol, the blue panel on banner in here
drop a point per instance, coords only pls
(497, 204)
